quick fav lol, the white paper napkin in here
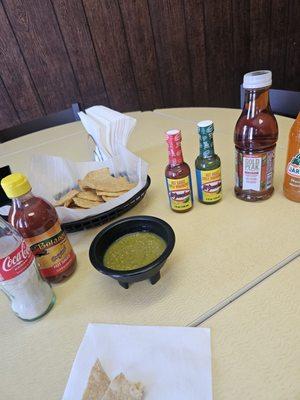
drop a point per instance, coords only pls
(98, 134)
(172, 363)
(108, 128)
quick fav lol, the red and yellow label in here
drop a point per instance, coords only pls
(209, 185)
(52, 250)
(180, 193)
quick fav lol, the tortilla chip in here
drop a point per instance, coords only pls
(69, 196)
(123, 184)
(102, 173)
(83, 203)
(96, 187)
(88, 195)
(109, 184)
(110, 194)
(97, 384)
(68, 202)
(101, 180)
(81, 184)
(121, 389)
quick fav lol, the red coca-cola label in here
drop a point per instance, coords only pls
(16, 262)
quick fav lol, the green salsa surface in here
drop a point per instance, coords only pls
(134, 250)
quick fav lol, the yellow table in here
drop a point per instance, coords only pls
(256, 342)
(219, 250)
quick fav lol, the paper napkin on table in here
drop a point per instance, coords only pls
(172, 363)
(108, 129)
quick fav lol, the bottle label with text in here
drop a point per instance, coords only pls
(209, 185)
(293, 168)
(16, 263)
(254, 171)
(180, 193)
(52, 250)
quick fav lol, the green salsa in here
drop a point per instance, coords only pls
(134, 250)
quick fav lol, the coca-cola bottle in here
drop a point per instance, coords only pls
(31, 296)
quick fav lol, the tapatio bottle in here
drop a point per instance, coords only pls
(208, 166)
(255, 138)
(178, 175)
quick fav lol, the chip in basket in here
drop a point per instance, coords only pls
(97, 187)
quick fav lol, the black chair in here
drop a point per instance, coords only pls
(59, 118)
(4, 200)
(283, 102)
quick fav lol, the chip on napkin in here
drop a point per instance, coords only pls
(98, 383)
(121, 389)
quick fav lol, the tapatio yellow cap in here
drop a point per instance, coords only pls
(15, 185)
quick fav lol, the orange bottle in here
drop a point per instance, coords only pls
(291, 185)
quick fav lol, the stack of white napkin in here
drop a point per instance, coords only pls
(107, 129)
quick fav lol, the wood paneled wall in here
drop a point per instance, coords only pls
(140, 54)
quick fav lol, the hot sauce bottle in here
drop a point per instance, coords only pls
(208, 166)
(255, 138)
(38, 223)
(291, 185)
(178, 175)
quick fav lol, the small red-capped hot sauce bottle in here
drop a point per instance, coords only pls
(38, 223)
(178, 175)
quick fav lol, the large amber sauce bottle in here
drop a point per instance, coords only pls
(255, 137)
(38, 223)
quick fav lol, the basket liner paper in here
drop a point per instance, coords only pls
(51, 177)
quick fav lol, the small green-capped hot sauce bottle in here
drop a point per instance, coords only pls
(208, 166)
(178, 175)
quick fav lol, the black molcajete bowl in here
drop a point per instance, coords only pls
(130, 225)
